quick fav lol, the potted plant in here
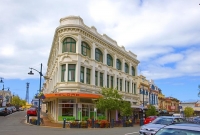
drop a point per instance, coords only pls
(83, 124)
(74, 124)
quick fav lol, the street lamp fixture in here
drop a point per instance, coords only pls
(1, 81)
(40, 72)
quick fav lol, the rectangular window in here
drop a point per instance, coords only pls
(71, 72)
(107, 81)
(120, 84)
(82, 75)
(117, 83)
(111, 81)
(128, 87)
(101, 79)
(88, 76)
(134, 88)
(63, 68)
(96, 78)
(125, 86)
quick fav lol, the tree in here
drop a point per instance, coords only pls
(110, 100)
(188, 111)
(125, 108)
(16, 101)
(151, 111)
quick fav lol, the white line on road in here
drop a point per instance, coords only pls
(132, 133)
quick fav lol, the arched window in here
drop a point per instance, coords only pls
(126, 67)
(109, 60)
(133, 71)
(119, 66)
(85, 49)
(98, 55)
(69, 45)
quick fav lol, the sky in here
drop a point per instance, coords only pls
(165, 36)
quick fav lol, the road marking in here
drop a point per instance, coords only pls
(132, 133)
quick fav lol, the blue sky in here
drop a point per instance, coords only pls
(163, 34)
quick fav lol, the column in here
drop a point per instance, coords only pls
(123, 84)
(123, 62)
(78, 45)
(105, 57)
(60, 46)
(130, 69)
(84, 74)
(130, 87)
(93, 75)
(114, 61)
(77, 79)
(93, 51)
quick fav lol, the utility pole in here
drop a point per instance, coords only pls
(27, 92)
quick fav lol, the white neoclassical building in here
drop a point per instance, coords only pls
(80, 63)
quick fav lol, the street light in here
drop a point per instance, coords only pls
(40, 72)
(141, 120)
(1, 81)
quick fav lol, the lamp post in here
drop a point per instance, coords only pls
(141, 120)
(40, 72)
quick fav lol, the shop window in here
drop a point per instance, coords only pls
(69, 45)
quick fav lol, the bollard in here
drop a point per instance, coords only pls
(64, 121)
(27, 117)
(112, 123)
(92, 123)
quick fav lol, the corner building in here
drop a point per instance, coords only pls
(80, 63)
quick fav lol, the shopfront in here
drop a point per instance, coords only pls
(73, 106)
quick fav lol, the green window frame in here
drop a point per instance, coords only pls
(120, 84)
(85, 49)
(101, 79)
(111, 79)
(88, 76)
(63, 69)
(96, 78)
(126, 68)
(133, 71)
(107, 81)
(128, 86)
(98, 55)
(119, 66)
(71, 72)
(109, 60)
(82, 74)
(69, 45)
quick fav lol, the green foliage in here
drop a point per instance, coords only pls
(16, 101)
(188, 111)
(151, 111)
(125, 108)
(111, 100)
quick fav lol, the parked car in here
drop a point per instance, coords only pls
(9, 110)
(21, 109)
(158, 123)
(149, 119)
(3, 111)
(177, 115)
(180, 129)
(32, 111)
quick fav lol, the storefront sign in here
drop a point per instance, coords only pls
(86, 95)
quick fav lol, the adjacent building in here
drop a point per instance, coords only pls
(80, 63)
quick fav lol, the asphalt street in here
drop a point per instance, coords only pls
(14, 124)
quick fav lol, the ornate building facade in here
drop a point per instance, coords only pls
(80, 63)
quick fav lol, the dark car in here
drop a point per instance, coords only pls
(158, 123)
(180, 129)
(3, 112)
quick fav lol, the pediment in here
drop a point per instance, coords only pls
(66, 58)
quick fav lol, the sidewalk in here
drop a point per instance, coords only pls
(47, 121)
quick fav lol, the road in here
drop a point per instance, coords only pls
(14, 124)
